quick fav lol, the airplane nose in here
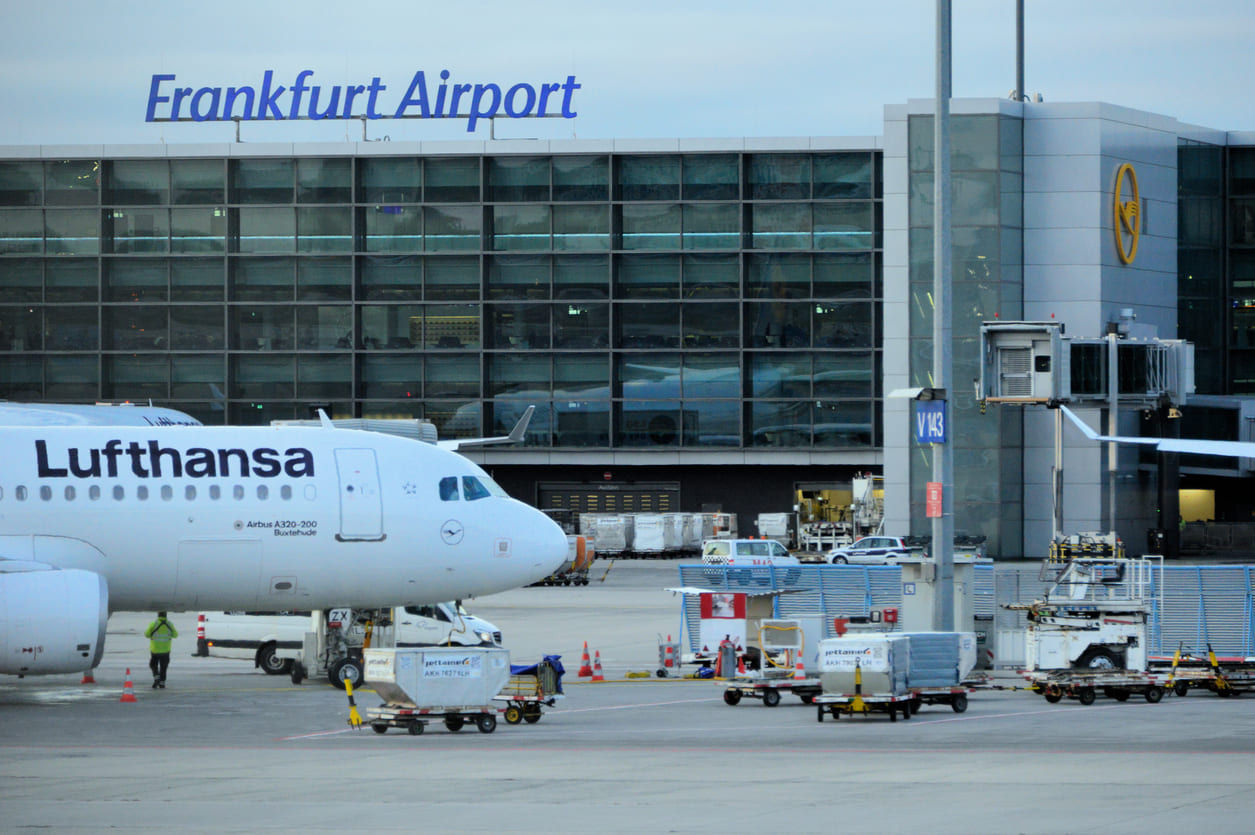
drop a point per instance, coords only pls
(553, 548)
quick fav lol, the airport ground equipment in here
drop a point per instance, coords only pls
(783, 669)
(574, 571)
(1223, 676)
(1094, 615)
(454, 684)
(529, 687)
(939, 664)
(1086, 685)
(865, 673)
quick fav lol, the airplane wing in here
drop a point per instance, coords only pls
(1193, 446)
(515, 436)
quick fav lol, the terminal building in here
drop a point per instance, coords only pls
(700, 324)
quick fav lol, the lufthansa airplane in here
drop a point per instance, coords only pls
(102, 518)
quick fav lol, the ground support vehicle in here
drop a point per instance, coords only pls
(1223, 676)
(529, 687)
(770, 689)
(574, 571)
(420, 685)
(1086, 685)
(415, 719)
(849, 704)
(956, 697)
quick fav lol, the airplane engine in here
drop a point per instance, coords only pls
(52, 621)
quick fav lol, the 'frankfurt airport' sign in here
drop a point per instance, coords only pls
(170, 101)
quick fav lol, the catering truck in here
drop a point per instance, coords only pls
(275, 641)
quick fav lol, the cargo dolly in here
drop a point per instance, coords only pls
(1084, 686)
(529, 687)
(836, 704)
(956, 697)
(414, 719)
(769, 690)
(1224, 677)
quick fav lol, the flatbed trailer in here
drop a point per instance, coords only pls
(955, 697)
(529, 687)
(415, 719)
(1086, 685)
(836, 704)
(769, 690)
(1223, 676)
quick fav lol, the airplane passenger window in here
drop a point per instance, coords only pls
(118, 493)
(449, 489)
(45, 492)
(215, 492)
(262, 491)
(93, 492)
(285, 492)
(472, 489)
(20, 493)
(189, 493)
(237, 492)
(167, 492)
(69, 493)
(141, 493)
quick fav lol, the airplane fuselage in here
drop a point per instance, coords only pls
(264, 518)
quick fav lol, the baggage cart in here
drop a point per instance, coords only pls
(836, 704)
(1223, 676)
(956, 697)
(1085, 686)
(423, 684)
(769, 690)
(529, 687)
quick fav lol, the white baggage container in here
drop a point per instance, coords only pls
(883, 662)
(437, 677)
(649, 533)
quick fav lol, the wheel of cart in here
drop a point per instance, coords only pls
(454, 723)
(1181, 688)
(771, 697)
(732, 696)
(513, 714)
(531, 713)
(958, 704)
(1154, 693)
(487, 723)
(415, 727)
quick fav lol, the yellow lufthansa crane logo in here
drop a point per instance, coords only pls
(1128, 221)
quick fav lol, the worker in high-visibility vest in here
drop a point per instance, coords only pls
(159, 634)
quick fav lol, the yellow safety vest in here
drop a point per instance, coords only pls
(160, 633)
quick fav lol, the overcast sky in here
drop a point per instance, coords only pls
(79, 71)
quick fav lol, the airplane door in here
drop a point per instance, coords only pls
(361, 508)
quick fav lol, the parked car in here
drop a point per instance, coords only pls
(871, 550)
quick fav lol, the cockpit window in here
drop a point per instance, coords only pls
(473, 489)
(449, 489)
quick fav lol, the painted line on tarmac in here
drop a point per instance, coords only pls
(630, 707)
(315, 735)
(1041, 712)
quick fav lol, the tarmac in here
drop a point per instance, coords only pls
(226, 748)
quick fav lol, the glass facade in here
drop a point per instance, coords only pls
(987, 242)
(672, 300)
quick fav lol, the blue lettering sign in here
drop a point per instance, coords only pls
(304, 99)
(930, 421)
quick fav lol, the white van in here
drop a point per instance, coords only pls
(257, 636)
(746, 552)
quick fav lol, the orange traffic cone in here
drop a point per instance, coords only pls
(202, 648)
(597, 674)
(740, 665)
(586, 668)
(800, 672)
(88, 678)
(128, 689)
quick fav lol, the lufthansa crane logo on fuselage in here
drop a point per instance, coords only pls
(1128, 215)
(452, 532)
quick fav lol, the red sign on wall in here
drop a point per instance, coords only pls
(932, 500)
